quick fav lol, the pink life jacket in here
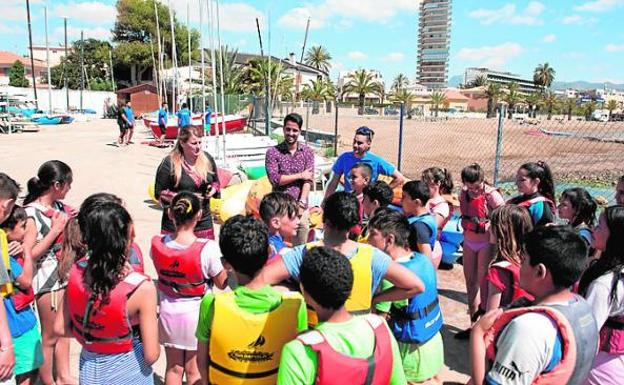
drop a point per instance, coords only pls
(22, 298)
(612, 335)
(475, 210)
(335, 368)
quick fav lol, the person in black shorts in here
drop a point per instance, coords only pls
(162, 123)
(121, 122)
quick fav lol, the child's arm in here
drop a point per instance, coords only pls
(406, 284)
(202, 361)
(145, 297)
(38, 249)
(494, 297)
(331, 186)
(7, 357)
(220, 280)
(397, 179)
(271, 274)
(24, 280)
(424, 248)
(477, 346)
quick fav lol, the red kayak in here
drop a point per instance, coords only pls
(233, 123)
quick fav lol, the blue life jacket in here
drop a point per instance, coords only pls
(430, 221)
(421, 319)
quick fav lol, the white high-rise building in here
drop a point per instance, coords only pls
(434, 43)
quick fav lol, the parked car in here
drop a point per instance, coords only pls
(617, 117)
(371, 111)
(391, 111)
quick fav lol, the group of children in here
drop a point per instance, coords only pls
(358, 306)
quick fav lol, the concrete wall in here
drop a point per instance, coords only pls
(90, 99)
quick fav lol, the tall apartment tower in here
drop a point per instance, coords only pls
(434, 40)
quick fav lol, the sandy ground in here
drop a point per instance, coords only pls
(127, 172)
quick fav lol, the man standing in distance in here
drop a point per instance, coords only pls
(129, 118)
(290, 168)
(361, 154)
(162, 122)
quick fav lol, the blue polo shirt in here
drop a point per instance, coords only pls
(129, 114)
(347, 160)
(184, 117)
(162, 116)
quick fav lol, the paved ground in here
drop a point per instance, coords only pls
(128, 171)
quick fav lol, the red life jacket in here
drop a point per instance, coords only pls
(101, 327)
(179, 271)
(335, 368)
(475, 210)
(517, 292)
(22, 298)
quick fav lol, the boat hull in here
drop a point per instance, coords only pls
(231, 125)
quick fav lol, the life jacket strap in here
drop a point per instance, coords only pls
(90, 338)
(176, 285)
(400, 314)
(233, 373)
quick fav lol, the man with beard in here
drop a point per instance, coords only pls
(360, 154)
(290, 168)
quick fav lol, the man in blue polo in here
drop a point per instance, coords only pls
(361, 154)
(184, 116)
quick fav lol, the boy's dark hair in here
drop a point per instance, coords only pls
(342, 211)
(366, 168)
(561, 249)
(295, 118)
(18, 214)
(277, 204)
(327, 276)
(184, 105)
(379, 191)
(417, 189)
(472, 173)
(390, 221)
(9, 188)
(244, 243)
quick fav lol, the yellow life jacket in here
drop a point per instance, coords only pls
(245, 348)
(359, 302)
(7, 288)
(363, 237)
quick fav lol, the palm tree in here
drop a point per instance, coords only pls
(611, 105)
(318, 90)
(544, 75)
(258, 71)
(512, 97)
(569, 104)
(479, 81)
(588, 109)
(403, 96)
(533, 100)
(493, 93)
(318, 57)
(233, 74)
(400, 82)
(437, 99)
(550, 102)
(362, 82)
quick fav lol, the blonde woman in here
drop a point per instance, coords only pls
(188, 168)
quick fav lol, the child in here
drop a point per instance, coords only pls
(554, 340)
(187, 267)
(375, 195)
(537, 192)
(20, 314)
(476, 201)
(370, 264)
(241, 333)
(343, 349)
(579, 209)
(415, 198)
(359, 178)
(619, 191)
(419, 338)
(603, 286)
(112, 311)
(44, 233)
(280, 213)
(439, 182)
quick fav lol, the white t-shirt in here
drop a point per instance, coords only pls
(599, 298)
(524, 350)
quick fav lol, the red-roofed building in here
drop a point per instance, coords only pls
(456, 100)
(8, 58)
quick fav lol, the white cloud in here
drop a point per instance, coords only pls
(234, 17)
(394, 56)
(357, 55)
(614, 48)
(73, 33)
(10, 29)
(509, 15)
(91, 12)
(574, 55)
(599, 5)
(491, 56)
(550, 38)
(297, 18)
(579, 20)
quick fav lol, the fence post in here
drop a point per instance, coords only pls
(499, 143)
(306, 136)
(400, 156)
(336, 130)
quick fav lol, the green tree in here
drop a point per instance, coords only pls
(544, 75)
(512, 97)
(403, 96)
(17, 75)
(479, 81)
(611, 105)
(318, 90)
(399, 83)
(96, 67)
(437, 99)
(135, 29)
(362, 82)
(550, 101)
(233, 74)
(493, 94)
(533, 101)
(318, 57)
(258, 71)
(569, 104)
(588, 109)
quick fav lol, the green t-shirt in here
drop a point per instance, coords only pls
(354, 338)
(257, 301)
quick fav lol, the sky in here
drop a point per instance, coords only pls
(580, 39)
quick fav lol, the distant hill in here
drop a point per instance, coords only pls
(455, 81)
(584, 85)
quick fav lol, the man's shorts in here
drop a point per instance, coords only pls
(163, 129)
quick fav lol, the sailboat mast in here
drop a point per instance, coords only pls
(81, 68)
(213, 69)
(32, 60)
(221, 82)
(190, 71)
(203, 63)
(110, 60)
(173, 58)
(45, 12)
(65, 69)
(158, 78)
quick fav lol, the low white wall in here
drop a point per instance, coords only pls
(90, 99)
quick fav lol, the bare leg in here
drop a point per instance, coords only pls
(484, 257)
(193, 377)
(175, 366)
(48, 338)
(470, 274)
